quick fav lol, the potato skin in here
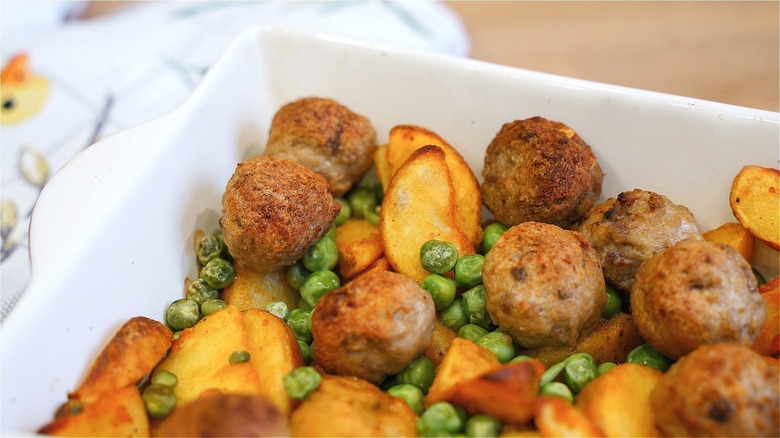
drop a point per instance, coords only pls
(539, 170)
(543, 285)
(325, 136)
(373, 326)
(722, 389)
(273, 210)
(693, 293)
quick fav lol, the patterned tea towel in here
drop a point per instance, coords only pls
(67, 82)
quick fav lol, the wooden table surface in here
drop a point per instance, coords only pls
(721, 51)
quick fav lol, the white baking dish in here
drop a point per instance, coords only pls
(111, 235)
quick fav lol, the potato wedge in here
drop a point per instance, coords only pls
(755, 201)
(734, 235)
(348, 406)
(380, 264)
(768, 340)
(507, 392)
(274, 351)
(200, 357)
(381, 167)
(359, 246)
(405, 139)
(452, 371)
(556, 417)
(609, 341)
(418, 206)
(440, 342)
(618, 401)
(119, 413)
(253, 290)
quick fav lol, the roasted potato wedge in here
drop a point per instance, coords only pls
(618, 401)
(418, 206)
(253, 290)
(755, 201)
(556, 417)
(381, 167)
(405, 139)
(734, 235)
(274, 352)
(440, 342)
(359, 246)
(768, 340)
(348, 406)
(452, 371)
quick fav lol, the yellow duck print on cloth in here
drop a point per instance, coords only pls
(23, 93)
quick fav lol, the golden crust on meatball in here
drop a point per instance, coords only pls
(273, 210)
(694, 293)
(539, 170)
(543, 285)
(325, 136)
(373, 326)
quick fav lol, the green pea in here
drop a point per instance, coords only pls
(278, 308)
(580, 369)
(441, 288)
(473, 302)
(498, 343)
(322, 255)
(614, 302)
(218, 273)
(166, 378)
(520, 358)
(468, 270)
(440, 417)
(200, 291)
(606, 366)
(483, 426)
(453, 316)
(372, 216)
(361, 200)
(557, 389)
(332, 232)
(305, 351)
(209, 247)
(176, 334)
(239, 357)
(299, 322)
(210, 306)
(646, 354)
(182, 313)
(551, 373)
(419, 373)
(159, 400)
(70, 408)
(296, 274)
(318, 284)
(301, 382)
(411, 394)
(438, 256)
(345, 213)
(490, 235)
(472, 332)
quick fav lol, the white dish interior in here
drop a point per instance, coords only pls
(111, 235)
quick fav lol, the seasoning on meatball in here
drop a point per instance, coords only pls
(373, 326)
(273, 210)
(693, 293)
(631, 228)
(325, 136)
(543, 285)
(720, 389)
(539, 170)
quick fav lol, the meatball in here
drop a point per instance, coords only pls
(539, 170)
(693, 293)
(718, 390)
(373, 326)
(325, 136)
(543, 285)
(631, 228)
(273, 210)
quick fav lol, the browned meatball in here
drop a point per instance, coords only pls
(273, 210)
(718, 390)
(325, 136)
(543, 284)
(631, 228)
(373, 326)
(539, 170)
(693, 293)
